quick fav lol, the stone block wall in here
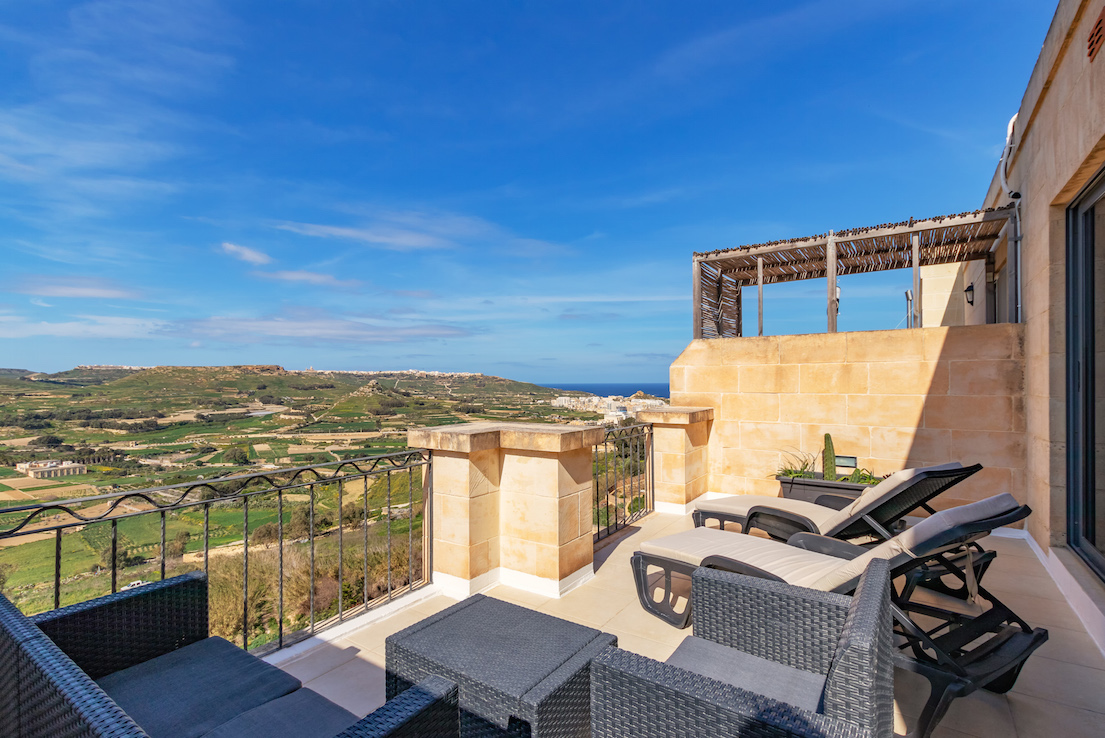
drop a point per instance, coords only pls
(511, 504)
(892, 398)
(1060, 147)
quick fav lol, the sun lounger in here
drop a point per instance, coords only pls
(962, 652)
(875, 513)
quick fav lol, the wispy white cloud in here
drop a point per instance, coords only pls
(313, 328)
(83, 326)
(40, 303)
(414, 230)
(315, 278)
(245, 253)
(397, 239)
(86, 287)
(103, 108)
(590, 317)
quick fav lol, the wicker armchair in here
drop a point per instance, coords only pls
(49, 664)
(766, 659)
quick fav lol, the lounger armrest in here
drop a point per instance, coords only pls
(790, 625)
(826, 545)
(429, 708)
(634, 695)
(780, 524)
(117, 631)
(834, 502)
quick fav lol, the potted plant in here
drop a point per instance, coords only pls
(799, 480)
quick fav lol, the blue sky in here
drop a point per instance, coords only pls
(513, 188)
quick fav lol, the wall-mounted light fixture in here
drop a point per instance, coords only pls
(970, 293)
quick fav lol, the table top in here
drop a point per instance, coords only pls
(496, 643)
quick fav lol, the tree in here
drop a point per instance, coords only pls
(236, 455)
(49, 441)
(176, 547)
(267, 533)
(5, 571)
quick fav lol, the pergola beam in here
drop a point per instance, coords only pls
(830, 273)
(859, 234)
(760, 292)
(916, 241)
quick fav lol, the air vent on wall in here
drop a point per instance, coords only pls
(1097, 36)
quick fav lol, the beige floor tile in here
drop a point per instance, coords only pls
(377, 657)
(1043, 613)
(1004, 583)
(357, 685)
(1066, 684)
(518, 597)
(590, 605)
(372, 636)
(614, 579)
(643, 646)
(320, 660)
(677, 525)
(1072, 646)
(1013, 566)
(434, 605)
(981, 713)
(634, 620)
(1037, 718)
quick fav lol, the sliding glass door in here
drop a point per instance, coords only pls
(1086, 375)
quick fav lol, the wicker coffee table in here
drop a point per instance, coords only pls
(519, 672)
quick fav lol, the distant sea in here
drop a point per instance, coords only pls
(625, 389)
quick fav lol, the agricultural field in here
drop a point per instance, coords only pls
(137, 429)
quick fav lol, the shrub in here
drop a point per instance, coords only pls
(265, 534)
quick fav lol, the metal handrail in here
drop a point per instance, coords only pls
(623, 490)
(241, 489)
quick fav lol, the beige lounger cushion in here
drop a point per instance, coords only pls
(793, 565)
(829, 522)
(874, 496)
(809, 568)
(907, 541)
(741, 504)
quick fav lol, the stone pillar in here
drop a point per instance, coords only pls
(679, 438)
(511, 504)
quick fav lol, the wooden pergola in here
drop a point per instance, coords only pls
(719, 276)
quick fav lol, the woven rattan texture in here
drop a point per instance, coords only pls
(426, 710)
(632, 695)
(557, 705)
(860, 684)
(772, 620)
(45, 694)
(115, 632)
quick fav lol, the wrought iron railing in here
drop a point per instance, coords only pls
(623, 479)
(287, 552)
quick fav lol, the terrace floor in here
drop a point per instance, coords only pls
(1061, 690)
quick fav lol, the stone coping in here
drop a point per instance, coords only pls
(472, 437)
(676, 415)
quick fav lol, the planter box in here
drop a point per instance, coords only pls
(803, 488)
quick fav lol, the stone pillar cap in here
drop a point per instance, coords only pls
(471, 437)
(676, 415)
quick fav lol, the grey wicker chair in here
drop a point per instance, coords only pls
(766, 659)
(55, 668)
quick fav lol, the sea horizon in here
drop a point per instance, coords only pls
(624, 389)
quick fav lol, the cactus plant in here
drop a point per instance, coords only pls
(828, 459)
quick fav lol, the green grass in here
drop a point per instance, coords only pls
(8, 472)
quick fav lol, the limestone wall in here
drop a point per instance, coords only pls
(1060, 147)
(892, 398)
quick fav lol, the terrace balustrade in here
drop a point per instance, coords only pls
(290, 552)
(315, 546)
